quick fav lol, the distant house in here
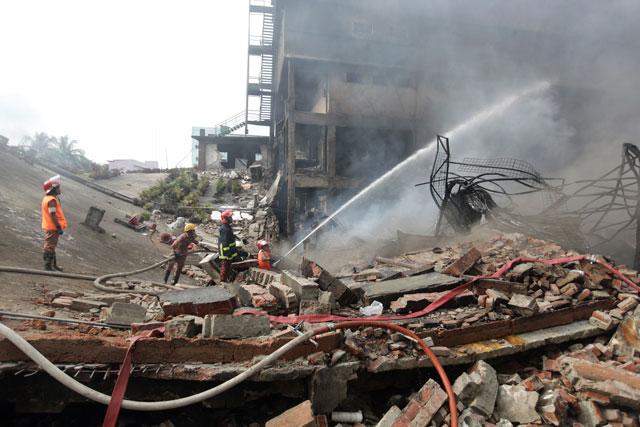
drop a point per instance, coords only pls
(128, 165)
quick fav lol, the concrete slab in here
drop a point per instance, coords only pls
(121, 313)
(484, 350)
(209, 300)
(390, 290)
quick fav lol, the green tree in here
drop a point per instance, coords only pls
(68, 152)
(39, 145)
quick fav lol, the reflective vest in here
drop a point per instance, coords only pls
(47, 222)
(264, 260)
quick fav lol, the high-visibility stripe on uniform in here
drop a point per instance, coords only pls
(47, 222)
(222, 249)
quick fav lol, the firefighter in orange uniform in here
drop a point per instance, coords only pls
(53, 223)
(264, 258)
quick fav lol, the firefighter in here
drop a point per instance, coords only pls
(180, 248)
(227, 250)
(264, 258)
(53, 222)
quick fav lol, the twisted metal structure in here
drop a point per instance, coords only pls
(596, 212)
(464, 199)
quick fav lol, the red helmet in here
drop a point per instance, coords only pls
(226, 216)
(50, 184)
(261, 244)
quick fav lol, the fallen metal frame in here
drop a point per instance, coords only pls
(463, 199)
(602, 202)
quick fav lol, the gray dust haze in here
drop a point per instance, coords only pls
(474, 55)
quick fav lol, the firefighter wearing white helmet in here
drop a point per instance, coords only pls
(180, 248)
(264, 257)
(53, 222)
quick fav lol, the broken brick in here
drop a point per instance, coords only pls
(602, 320)
(461, 265)
(298, 416)
(569, 290)
(627, 304)
(584, 295)
(522, 304)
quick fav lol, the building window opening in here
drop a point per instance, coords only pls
(353, 77)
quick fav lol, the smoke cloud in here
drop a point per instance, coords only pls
(474, 55)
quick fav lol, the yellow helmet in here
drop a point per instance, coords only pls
(189, 227)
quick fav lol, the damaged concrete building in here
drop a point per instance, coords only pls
(345, 90)
(338, 106)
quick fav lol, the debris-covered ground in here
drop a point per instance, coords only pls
(543, 344)
(537, 343)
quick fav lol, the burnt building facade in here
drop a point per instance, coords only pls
(340, 91)
(346, 99)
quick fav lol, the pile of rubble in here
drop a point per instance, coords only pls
(253, 219)
(587, 383)
(574, 324)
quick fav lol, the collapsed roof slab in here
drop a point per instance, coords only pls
(390, 290)
(82, 348)
(207, 359)
(483, 350)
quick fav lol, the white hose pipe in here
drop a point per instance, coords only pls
(135, 405)
(347, 417)
(97, 283)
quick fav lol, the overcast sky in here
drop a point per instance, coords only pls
(126, 79)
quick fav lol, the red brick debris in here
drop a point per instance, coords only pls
(590, 378)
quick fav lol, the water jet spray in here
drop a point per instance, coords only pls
(475, 120)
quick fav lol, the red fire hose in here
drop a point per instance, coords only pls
(316, 318)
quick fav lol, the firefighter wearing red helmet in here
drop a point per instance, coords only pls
(264, 257)
(53, 222)
(227, 250)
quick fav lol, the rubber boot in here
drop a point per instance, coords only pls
(55, 263)
(166, 275)
(48, 261)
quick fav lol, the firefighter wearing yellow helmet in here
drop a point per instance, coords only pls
(180, 248)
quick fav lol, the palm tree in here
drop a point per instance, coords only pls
(67, 150)
(39, 145)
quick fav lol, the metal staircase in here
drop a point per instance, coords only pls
(260, 46)
(231, 124)
(223, 128)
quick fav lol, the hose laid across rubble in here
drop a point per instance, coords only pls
(94, 395)
(135, 405)
(92, 278)
(98, 282)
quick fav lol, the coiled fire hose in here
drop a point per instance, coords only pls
(94, 395)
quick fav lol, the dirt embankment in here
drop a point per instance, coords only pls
(80, 250)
